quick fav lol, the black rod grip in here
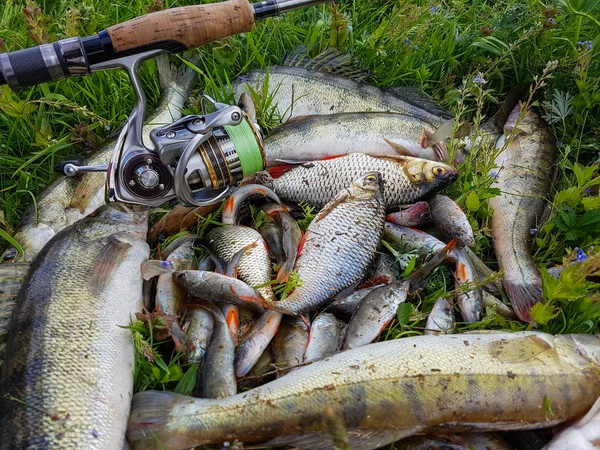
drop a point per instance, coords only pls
(24, 68)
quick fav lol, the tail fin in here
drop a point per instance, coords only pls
(149, 419)
(168, 74)
(285, 270)
(523, 295)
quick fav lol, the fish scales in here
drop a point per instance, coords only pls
(524, 176)
(255, 265)
(485, 382)
(69, 365)
(338, 245)
(317, 182)
(302, 92)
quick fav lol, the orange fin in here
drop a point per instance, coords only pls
(301, 244)
(279, 170)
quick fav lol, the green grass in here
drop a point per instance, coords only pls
(440, 48)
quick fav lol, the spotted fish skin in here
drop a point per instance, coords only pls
(405, 179)
(391, 390)
(255, 265)
(339, 246)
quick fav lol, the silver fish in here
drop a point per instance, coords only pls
(325, 338)
(290, 343)
(441, 318)
(469, 298)
(256, 341)
(450, 218)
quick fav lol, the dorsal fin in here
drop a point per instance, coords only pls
(420, 99)
(331, 60)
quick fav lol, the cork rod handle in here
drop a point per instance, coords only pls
(191, 26)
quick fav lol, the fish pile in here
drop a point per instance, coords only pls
(287, 315)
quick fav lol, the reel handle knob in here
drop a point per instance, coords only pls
(72, 165)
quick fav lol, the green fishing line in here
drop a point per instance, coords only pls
(247, 147)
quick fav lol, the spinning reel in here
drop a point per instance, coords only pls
(197, 159)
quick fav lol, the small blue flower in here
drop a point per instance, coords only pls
(407, 41)
(166, 264)
(559, 143)
(95, 433)
(433, 9)
(551, 20)
(494, 174)
(479, 79)
(588, 44)
(581, 256)
(533, 231)
(588, 191)
(243, 79)
(417, 47)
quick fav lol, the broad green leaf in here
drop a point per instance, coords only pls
(583, 174)
(588, 219)
(543, 313)
(590, 203)
(410, 267)
(403, 313)
(188, 381)
(472, 203)
(569, 197)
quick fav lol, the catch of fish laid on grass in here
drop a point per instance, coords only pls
(289, 310)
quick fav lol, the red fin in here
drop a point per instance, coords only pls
(279, 170)
(522, 297)
(232, 320)
(301, 245)
(229, 205)
(327, 158)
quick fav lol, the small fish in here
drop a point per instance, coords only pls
(256, 341)
(490, 302)
(325, 338)
(338, 246)
(441, 318)
(375, 311)
(412, 239)
(414, 216)
(201, 325)
(289, 343)
(170, 297)
(178, 219)
(406, 179)
(216, 287)
(525, 173)
(391, 390)
(469, 300)
(233, 206)
(291, 238)
(217, 378)
(384, 266)
(450, 218)
(255, 265)
(263, 368)
(346, 306)
(271, 233)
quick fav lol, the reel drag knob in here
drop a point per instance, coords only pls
(146, 176)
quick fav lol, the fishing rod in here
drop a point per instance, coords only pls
(198, 159)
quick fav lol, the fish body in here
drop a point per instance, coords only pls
(325, 337)
(256, 340)
(451, 219)
(384, 266)
(291, 236)
(525, 174)
(469, 297)
(414, 216)
(391, 390)
(441, 318)
(298, 90)
(170, 297)
(338, 246)
(347, 305)
(413, 239)
(492, 303)
(70, 199)
(236, 205)
(289, 343)
(406, 179)
(375, 311)
(375, 133)
(271, 233)
(69, 362)
(255, 265)
(11, 280)
(217, 378)
(216, 287)
(200, 329)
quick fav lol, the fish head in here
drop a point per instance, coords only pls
(434, 172)
(367, 186)
(585, 345)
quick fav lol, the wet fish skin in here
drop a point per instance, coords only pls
(441, 319)
(325, 338)
(413, 239)
(256, 341)
(470, 302)
(300, 92)
(480, 378)
(338, 246)
(255, 265)
(384, 266)
(68, 361)
(170, 297)
(217, 378)
(406, 179)
(375, 311)
(451, 219)
(313, 138)
(216, 287)
(11, 280)
(70, 199)
(262, 368)
(416, 215)
(525, 175)
(584, 435)
(291, 237)
(290, 343)
(271, 233)
(347, 306)
(200, 329)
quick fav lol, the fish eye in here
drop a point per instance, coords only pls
(439, 170)
(371, 178)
